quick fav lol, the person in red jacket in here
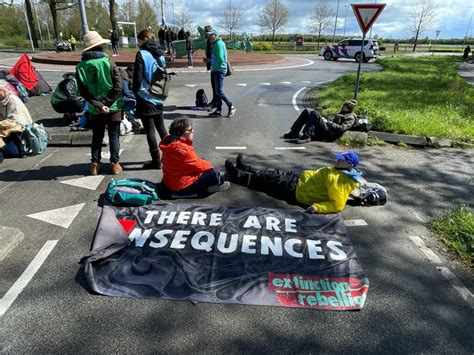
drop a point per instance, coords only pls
(184, 173)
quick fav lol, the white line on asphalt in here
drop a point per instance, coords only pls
(190, 85)
(128, 138)
(324, 82)
(290, 148)
(26, 277)
(457, 285)
(427, 252)
(241, 84)
(306, 81)
(354, 222)
(231, 148)
(309, 62)
(285, 82)
(267, 84)
(293, 100)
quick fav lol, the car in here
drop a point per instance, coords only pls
(350, 48)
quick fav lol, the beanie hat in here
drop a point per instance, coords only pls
(351, 104)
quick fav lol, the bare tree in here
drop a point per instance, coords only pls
(182, 19)
(54, 8)
(113, 18)
(274, 16)
(31, 22)
(320, 18)
(232, 18)
(6, 3)
(423, 17)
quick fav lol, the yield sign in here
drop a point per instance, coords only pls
(366, 14)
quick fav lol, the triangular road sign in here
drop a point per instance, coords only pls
(366, 14)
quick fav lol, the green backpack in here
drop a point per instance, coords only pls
(36, 139)
(131, 192)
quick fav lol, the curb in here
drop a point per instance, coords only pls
(9, 239)
(70, 139)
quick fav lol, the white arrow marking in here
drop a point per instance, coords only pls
(293, 100)
(62, 217)
(190, 85)
(265, 84)
(106, 155)
(285, 82)
(241, 84)
(87, 182)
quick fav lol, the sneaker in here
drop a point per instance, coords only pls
(219, 188)
(190, 66)
(232, 110)
(291, 135)
(152, 164)
(94, 169)
(215, 114)
(303, 139)
(116, 168)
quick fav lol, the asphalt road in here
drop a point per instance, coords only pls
(411, 307)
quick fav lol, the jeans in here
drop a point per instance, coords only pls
(149, 124)
(208, 178)
(114, 48)
(98, 132)
(312, 124)
(190, 58)
(219, 90)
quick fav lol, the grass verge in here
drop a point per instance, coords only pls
(456, 230)
(419, 96)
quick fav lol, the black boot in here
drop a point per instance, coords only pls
(155, 162)
(240, 165)
(236, 175)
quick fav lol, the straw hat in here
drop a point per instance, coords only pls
(93, 39)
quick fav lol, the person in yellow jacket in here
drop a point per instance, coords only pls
(73, 42)
(324, 190)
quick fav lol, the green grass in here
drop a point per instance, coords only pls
(456, 230)
(420, 96)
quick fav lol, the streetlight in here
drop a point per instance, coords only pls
(335, 23)
(345, 19)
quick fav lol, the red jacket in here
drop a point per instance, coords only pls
(181, 165)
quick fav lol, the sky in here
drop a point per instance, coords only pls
(453, 16)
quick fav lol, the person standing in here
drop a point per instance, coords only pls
(168, 40)
(73, 42)
(100, 84)
(207, 59)
(181, 34)
(189, 48)
(219, 71)
(466, 52)
(162, 37)
(114, 40)
(149, 108)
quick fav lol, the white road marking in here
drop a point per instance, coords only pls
(128, 138)
(106, 155)
(190, 85)
(309, 62)
(87, 182)
(241, 84)
(427, 252)
(231, 148)
(290, 148)
(324, 82)
(305, 81)
(293, 100)
(285, 82)
(62, 217)
(457, 285)
(354, 222)
(26, 277)
(267, 84)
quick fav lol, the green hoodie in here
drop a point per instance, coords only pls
(219, 56)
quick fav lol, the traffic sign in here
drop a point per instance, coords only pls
(366, 14)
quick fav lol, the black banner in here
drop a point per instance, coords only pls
(222, 254)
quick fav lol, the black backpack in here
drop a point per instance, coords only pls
(362, 124)
(370, 194)
(201, 98)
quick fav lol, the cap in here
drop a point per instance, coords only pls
(349, 156)
(212, 32)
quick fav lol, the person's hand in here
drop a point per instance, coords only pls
(105, 109)
(310, 209)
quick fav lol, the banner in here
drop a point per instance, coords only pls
(243, 255)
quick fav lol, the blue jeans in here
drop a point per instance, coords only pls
(218, 78)
(190, 58)
(210, 177)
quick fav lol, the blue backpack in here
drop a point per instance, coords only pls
(36, 139)
(131, 192)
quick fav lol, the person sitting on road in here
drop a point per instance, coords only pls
(325, 190)
(66, 98)
(316, 127)
(11, 107)
(184, 173)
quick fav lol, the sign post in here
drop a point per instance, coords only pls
(366, 14)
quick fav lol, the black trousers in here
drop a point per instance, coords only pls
(149, 124)
(73, 106)
(313, 126)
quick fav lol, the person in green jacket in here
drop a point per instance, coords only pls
(100, 84)
(324, 190)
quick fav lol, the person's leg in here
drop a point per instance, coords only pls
(299, 123)
(210, 181)
(160, 125)
(113, 129)
(315, 128)
(149, 127)
(217, 87)
(213, 85)
(98, 131)
(220, 91)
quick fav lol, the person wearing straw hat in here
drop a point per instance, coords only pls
(317, 128)
(100, 84)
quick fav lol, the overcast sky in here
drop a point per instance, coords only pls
(452, 16)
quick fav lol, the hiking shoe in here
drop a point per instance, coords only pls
(303, 139)
(232, 110)
(94, 169)
(219, 188)
(291, 135)
(116, 168)
(153, 164)
(215, 114)
(240, 164)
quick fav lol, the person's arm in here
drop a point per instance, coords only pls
(138, 73)
(126, 90)
(84, 91)
(116, 91)
(193, 163)
(337, 198)
(347, 121)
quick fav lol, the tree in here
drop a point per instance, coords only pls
(146, 15)
(274, 16)
(232, 18)
(320, 18)
(54, 8)
(423, 17)
(31, 22)
(182, 19)
(113, 18)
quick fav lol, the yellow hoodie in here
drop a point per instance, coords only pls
(325, 189)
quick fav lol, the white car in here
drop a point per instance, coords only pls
(350, 48)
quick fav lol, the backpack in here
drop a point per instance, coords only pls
(362, 124)
(19, 87)
(160, 83)
(371, 194)
(131, 192)
(201, 98)
(36, 139)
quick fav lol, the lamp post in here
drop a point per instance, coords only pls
(345, 19)
(335, 23)
(82, 12)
